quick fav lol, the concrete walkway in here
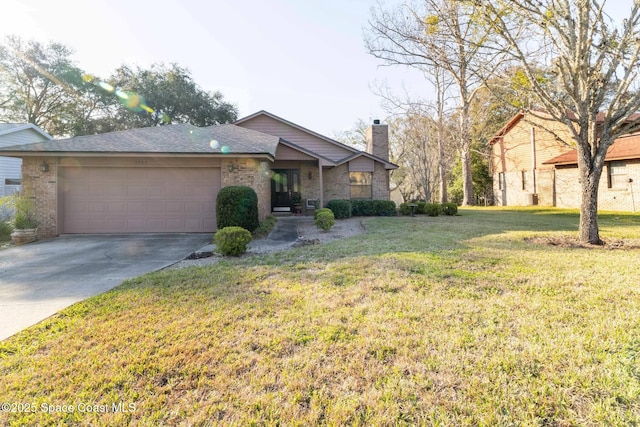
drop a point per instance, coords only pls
(39, 279)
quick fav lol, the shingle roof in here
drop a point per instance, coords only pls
(172, 139)
(624, 148)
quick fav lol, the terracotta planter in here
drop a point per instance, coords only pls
(20, 237)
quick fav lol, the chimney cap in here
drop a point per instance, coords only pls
(376, 122)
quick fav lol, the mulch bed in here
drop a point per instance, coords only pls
(573, 242)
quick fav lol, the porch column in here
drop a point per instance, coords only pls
(321, 179)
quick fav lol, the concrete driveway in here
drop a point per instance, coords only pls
(39, 279)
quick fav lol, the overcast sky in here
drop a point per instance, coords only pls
(303, 60)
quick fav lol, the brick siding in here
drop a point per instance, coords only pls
(42, 188)
(251, 173)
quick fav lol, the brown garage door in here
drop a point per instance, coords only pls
(140, 200)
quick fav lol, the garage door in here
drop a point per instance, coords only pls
(140, 200)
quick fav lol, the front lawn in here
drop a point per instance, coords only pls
(450, 321)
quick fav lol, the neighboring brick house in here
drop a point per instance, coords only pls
(532, 165)
(166, 178)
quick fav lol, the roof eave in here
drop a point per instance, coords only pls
(26, 126)
(506, 128)
(21, 154)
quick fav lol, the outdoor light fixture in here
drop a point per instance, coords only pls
(44, 167)
(310, 175)
(230, 167)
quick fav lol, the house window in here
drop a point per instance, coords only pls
(501, 183)
(525, 180)
(10, 181)
(361, 185)
(617, 176)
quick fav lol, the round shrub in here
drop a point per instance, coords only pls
(432, 209)
(341, 208)
(315, 214)
(405, 209)
(325, 220)
(449, 208)
(232, 240)
(385, 207)
(237, 206)
(421, 208)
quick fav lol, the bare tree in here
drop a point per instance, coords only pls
(596, 67)
(436, 34)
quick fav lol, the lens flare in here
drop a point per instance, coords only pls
(106, 86)
(214, 144)
(224, 149)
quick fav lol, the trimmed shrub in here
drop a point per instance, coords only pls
(373, 208)
(405, 209)
(341, 208)
(232, 240)
(315, 214)
(421, 208)
(385, 208)
(449, 208)
(237, 206)
(432, 209)
(325, 220)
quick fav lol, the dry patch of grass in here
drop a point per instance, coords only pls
(429, 321)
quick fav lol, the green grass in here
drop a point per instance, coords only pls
(447, 321)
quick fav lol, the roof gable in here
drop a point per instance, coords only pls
(266, 122)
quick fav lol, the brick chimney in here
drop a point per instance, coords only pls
(378, 140)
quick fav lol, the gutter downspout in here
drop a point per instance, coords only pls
(533, 159)
(321, 179)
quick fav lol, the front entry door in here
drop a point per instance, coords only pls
(285, 188)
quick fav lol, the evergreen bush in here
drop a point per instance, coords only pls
(237, 206)
(385, 208)
(405, 209)
(315, 214)
(232, 240)
(432, 209)
(325, 220)
(449, 208)
(373, 208)
(341, 208)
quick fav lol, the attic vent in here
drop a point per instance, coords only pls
(376, 122)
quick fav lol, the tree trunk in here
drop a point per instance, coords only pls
(588, 230)
(442, 169)
(467, 181)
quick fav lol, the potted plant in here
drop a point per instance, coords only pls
(25, 223)
(296, 201)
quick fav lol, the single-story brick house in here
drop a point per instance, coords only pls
(10, 168)
(166, 178)
(531, 165)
